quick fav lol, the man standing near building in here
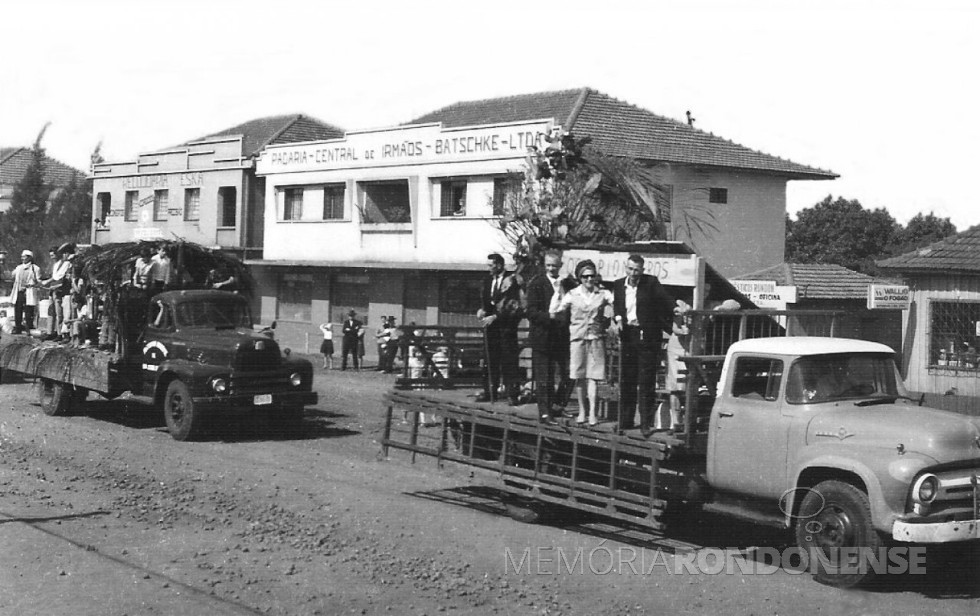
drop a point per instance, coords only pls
(548, 338)
(643, 312)
(351, 340)
(500, 310)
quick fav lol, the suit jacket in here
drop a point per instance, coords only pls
(654, 307)
(351, 331)
(507, 302)
(545, 334)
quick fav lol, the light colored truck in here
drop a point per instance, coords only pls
(812, 435)
(820, 435)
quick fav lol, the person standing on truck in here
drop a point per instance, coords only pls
(351, 340)
(23, 294)
(549, 340)
(589, 308)
(501, 308)
(143, 268)
(644, 311)
(162, 271)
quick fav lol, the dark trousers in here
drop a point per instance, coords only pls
(551, 381)
(23, 314)
(502, 360)
(640, 354)
(350, 346)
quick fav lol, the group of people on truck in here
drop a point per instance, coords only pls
(75, 300)
(570, 319)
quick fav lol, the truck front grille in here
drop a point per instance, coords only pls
(251, 359)
(259, 384)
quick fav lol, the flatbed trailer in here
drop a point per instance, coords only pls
(618, 474)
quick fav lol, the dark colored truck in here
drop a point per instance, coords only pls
(196, 355)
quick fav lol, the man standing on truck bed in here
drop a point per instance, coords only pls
(643, 312)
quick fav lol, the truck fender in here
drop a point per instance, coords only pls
(844, 469)
(191, 373)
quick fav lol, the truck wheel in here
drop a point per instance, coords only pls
(183, 420)
(55, 398)
(835, 515)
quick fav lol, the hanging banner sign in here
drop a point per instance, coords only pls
(766, 294)
(679, 270)
(889, 297)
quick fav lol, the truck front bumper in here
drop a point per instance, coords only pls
(258, 402)
(940, 532)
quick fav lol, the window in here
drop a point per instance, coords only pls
(955, 327)
(452, 200)
(503, 188)
(459, 299)
(192, 204)
(227, 206)
(386, 202)
(757, 378)
(132, 197)
(296, 298)
(717, 195)
(843, 376)
(292, 204)
(160, 199)
(104, 200)
(333, 201)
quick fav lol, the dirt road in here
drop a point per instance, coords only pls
(102, 513)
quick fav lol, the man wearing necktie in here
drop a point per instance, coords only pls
(548, 339)
(500, 311)
(644, 311)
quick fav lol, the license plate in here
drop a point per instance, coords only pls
(263, 399)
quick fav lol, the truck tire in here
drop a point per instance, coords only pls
(183, 421)
(835, 514)
(55, 398)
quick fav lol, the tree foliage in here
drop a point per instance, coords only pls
(843, 232)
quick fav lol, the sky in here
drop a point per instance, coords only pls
(883, 93)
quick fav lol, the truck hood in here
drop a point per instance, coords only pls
(239, 349)
(941, 435)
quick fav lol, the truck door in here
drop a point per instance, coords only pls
(157, 343)
(749, 435)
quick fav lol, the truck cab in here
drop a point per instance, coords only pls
(199, 355)
(822, 430)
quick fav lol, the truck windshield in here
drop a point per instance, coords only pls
(843, 376)
(217, 313)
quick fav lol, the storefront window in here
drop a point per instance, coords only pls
(227, 206)
(160, 200)
(333, 202)
(292, 204)
(132, 197)
(955, 328)
(452, 198)
(296, 298)
(385, 202)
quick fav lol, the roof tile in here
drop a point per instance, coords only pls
(960, 253)
(261, 132)
(818, 280)
(620, 129)
(14, 163)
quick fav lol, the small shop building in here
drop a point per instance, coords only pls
(399, 221)
(941, 327)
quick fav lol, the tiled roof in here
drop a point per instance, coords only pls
(14, 162)
(261, 132)
(959, 253)
(620, 129)
(817, 280)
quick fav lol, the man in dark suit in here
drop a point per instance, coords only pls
(548, 338)
(643, 312)
(351, 340)
(501, 308)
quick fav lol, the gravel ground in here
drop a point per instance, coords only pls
(103, 513)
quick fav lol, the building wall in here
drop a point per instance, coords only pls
(746, 234)
(208, 166)
(926, 372)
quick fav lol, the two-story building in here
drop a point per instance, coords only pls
(399, 221)
(203, 191)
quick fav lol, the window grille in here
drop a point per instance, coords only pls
(953, 339)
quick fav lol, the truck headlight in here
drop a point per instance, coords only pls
(296, 379)
(926, 488)
(219, 385)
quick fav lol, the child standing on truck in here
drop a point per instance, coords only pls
(589, 308)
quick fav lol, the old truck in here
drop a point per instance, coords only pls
(812, 435)
(195, 355)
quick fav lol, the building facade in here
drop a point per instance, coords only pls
(204, 191)
(399, 221)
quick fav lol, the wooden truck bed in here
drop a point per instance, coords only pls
(89, 368)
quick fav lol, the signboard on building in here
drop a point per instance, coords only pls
(766, 293)
(680, 270)
(409, 145)
(889, 297)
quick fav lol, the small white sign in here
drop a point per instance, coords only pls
(889, 297)
(766, 294)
